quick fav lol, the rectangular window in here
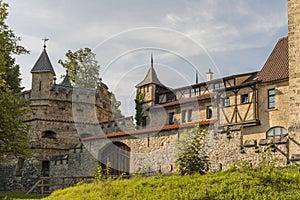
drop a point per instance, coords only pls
(144, 121)
(192, 92)
(219, 85)
(226, 102)
(209, 112)
(271, 98)
(190, 115)
(183, 116)
(162, 98)
(244, 98)
(171, 97)
(171, 118)
(197, 91)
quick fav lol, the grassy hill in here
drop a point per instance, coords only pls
(266, 183)
(232, 184)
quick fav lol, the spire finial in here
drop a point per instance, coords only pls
(151, 60)
(45, 40)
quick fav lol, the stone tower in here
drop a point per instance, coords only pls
(42, 77)
(294, 74)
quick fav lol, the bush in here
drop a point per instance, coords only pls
(192, 159)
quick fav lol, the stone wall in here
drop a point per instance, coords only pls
(294, 73)
(230, 148)
(153, 153)
(17, 174)
(77, 162)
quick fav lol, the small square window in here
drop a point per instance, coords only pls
(226, 102)
(244, 98)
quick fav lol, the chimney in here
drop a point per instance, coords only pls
(209, 75)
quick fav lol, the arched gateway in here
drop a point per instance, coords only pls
(117, 156)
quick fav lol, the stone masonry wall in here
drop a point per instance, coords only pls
(153, 154)
(77, 162)
(229, 149)
(294, 73)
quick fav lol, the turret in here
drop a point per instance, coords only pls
(42, 77)
(149, 85)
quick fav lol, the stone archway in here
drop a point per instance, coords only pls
(117, 156)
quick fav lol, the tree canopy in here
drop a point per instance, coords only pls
(9, 46)
(139, 110)
(13, 130)
(13, 109)
(83, 68)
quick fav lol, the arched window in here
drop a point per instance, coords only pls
(49, 134)
(277, 131)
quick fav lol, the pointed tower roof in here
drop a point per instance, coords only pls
(151, 77)
(43, 63)
(66, 81)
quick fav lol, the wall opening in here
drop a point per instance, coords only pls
(49, 134)
(117, 156)
(45, 168)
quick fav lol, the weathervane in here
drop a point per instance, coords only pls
(45, 40)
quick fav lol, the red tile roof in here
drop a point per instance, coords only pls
(277, 65)
(151, 130)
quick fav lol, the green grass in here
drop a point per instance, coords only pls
(233, 184)
(239, 184)
(19, 195)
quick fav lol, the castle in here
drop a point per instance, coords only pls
(245, 114)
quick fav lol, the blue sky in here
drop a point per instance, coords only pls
(228, 36)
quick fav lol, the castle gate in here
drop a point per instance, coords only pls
(117, 156)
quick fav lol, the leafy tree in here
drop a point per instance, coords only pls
(13, 109)
(83, 68)
(13, 130)
(192, 158)
(8, 47)
(139, 110)
(115, 107)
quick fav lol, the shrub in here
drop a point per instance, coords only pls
(192, 159)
